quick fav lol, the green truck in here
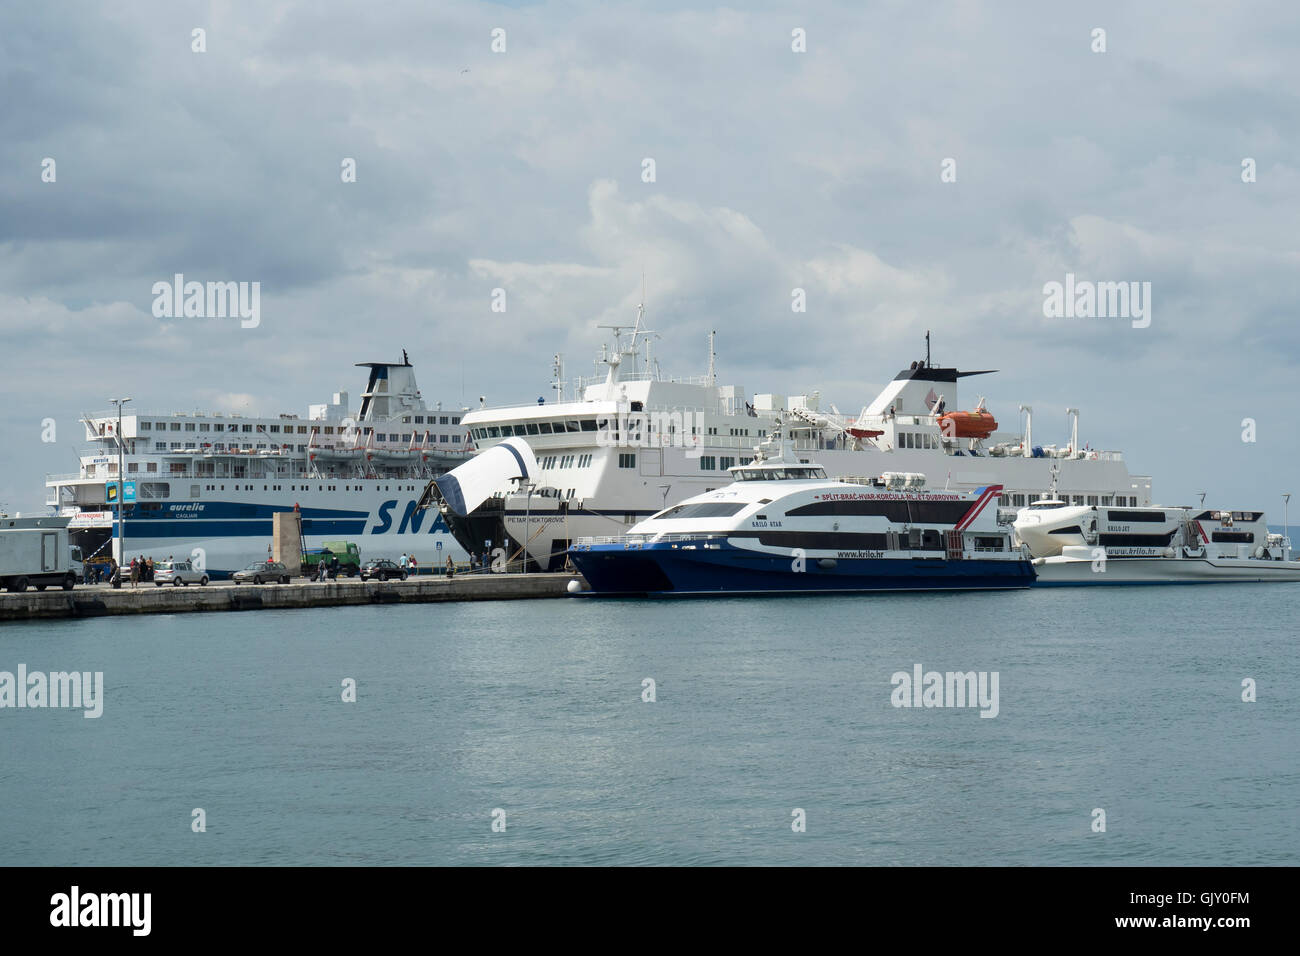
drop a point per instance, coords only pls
(347, 553)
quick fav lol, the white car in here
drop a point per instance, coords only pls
(177, 573)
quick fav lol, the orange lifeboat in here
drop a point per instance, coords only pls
(967, 425)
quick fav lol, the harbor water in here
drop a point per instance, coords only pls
(1126, 700)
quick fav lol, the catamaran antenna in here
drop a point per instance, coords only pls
(927, 348)
(713, 375)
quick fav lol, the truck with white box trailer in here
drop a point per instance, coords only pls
(36, 552)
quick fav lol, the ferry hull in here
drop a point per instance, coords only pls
(725, 569)
(228, 536)
(1076, 572)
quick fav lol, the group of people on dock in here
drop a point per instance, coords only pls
(140, 570)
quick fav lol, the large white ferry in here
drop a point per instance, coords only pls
(205, 485)
(635, 441)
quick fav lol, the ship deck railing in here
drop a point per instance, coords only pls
(639, 540)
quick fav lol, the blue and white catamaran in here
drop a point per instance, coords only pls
(783, 526)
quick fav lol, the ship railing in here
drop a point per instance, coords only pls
(70, 476)
(638, 540)
(586, 381)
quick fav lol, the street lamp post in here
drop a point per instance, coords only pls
(121, 481)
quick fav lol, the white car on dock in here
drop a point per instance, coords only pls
(177, 573)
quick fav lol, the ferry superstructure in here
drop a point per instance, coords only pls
(784, 527)
(635, 441)
(204, 486)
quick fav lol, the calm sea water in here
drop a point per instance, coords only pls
(1124, 699)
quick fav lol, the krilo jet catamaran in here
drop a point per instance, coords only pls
(1074, 545)
(634, 441)
(204, 486)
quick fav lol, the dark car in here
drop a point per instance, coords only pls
(381, 569)
(261, 571)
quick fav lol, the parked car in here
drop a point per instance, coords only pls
(382, 569)
(259, 572)
(177, 573)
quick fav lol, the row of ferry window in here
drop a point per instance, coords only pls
(195, 488)
(714, 463)
(1020, 500)
(534, 428)
(918, 440)
(286, 429)
(625, 460)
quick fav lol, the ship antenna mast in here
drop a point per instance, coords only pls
(713, 374)
(927, 348)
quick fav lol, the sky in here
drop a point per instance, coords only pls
(915, 167)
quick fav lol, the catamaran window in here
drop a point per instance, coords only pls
(532, 428)
(704, 509)
(494, 431)
(1239, 537)
(1135, 517)
(915, 512)
(988, 544)
(725, 463)
(626, 460)
(1136, 540)
(1107, 499)
(708, 463)
(1092, 499)
(544, 427)
(589, 424)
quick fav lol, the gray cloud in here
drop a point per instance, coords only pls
(775, 170)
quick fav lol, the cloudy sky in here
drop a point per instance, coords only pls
(774, 170)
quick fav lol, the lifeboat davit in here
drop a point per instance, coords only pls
(864, 432)
(967, 425)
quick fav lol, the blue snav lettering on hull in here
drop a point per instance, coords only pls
(412, 520)
(385, 520)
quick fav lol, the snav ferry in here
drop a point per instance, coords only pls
(783, 526)
(205, 485)
(1074, 545)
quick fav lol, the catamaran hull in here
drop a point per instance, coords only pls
(1075, 572)
(663, 569)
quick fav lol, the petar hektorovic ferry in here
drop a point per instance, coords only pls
(1093, 545)
(783, 526)
(204, 485)
(634, 441)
